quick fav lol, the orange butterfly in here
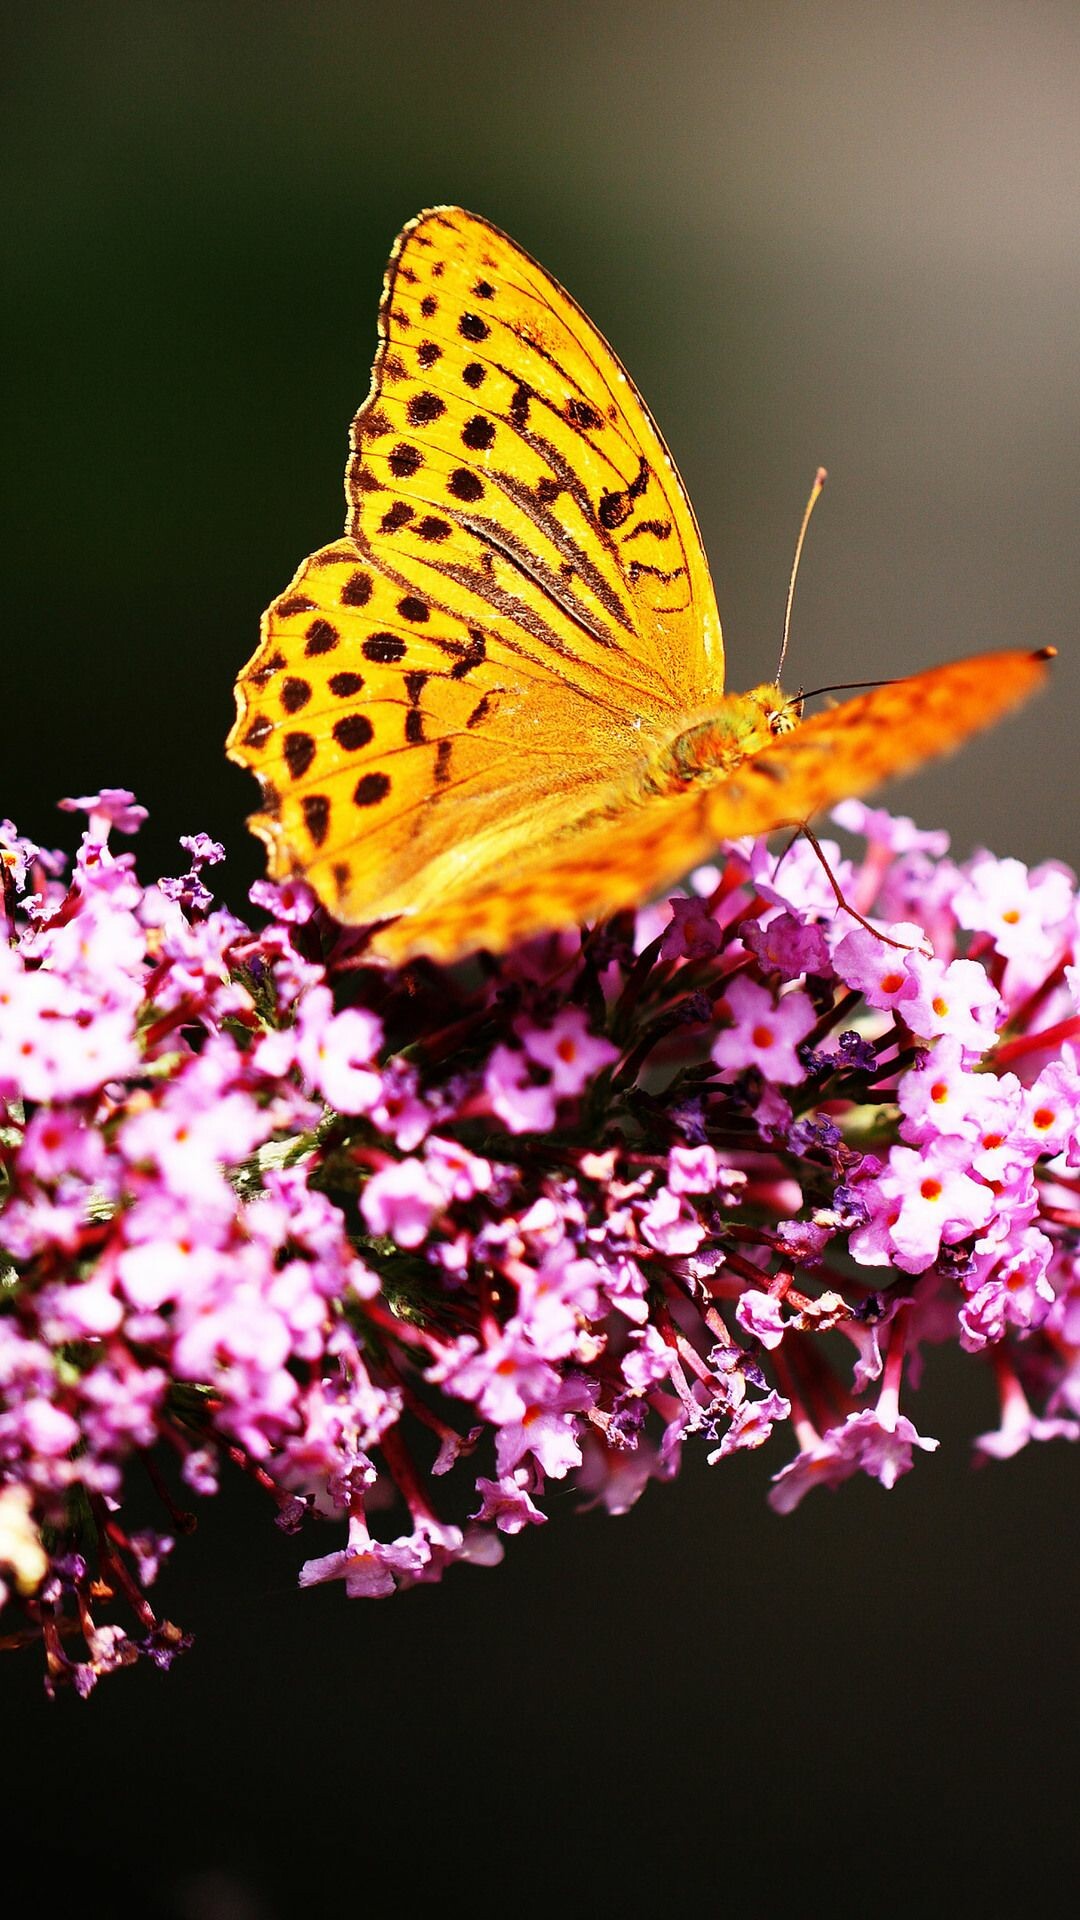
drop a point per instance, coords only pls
(497, 705)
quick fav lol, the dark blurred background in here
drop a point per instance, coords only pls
(815, 233)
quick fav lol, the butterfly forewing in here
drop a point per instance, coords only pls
(497, 405)
(520, 606)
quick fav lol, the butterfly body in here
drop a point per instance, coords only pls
(742, 725)
(497, 705)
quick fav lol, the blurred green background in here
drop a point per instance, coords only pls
(825, 232)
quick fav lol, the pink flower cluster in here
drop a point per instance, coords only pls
(405, 1247)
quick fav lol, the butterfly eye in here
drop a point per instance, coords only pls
(784, 719)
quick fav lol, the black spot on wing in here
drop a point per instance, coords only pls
(465, 485)
(370, 789)
(478, 434)
(295, 695)
(404, 461)
(353, 731)
(383, 649)
(432, 528)
(472, 327)
(357, 590)
(423, 408)
(299, 751)
(316, 810)
(321, 637)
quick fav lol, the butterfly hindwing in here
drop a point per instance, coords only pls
(398, 744)
(618, 860)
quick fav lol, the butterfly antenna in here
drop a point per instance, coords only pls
(846, 686)
(815, 494)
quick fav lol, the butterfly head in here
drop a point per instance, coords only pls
(781, 711)
(765, 714)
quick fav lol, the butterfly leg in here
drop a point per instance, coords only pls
(905, 946)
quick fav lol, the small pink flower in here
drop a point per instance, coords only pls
(362, 1565)
(503, 1378)
(751, 1425)
(890, 830)
(1052, 1108)
(880, 971)
(112, 807)
(507, 1502)
(549, 1432)
(957, 1000)
(764, 1032)
(923, 1199)
(45, 1428)
(334, 1052)
(695, 1170)
(669, 1225)
(572, 1054)
(647, 1361)
(401, 1201)
(521, 1105)
(862, 1444)
(58, 1141)
(761, 1314)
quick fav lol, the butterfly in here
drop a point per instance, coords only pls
(496, 706)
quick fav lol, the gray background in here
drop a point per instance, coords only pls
(815, 233)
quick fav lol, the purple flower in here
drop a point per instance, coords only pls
(787, 945)
(692, 932)
(387, 1239)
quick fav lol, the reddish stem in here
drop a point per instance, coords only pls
(1026, 1043)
